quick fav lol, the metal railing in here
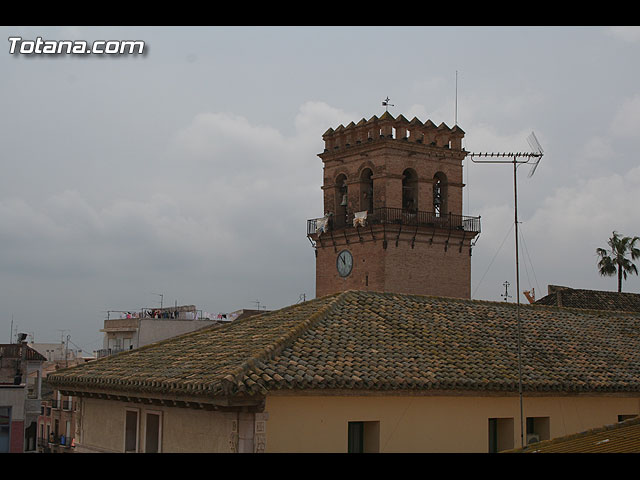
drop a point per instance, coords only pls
(105, 352)
(60, 440)
(399, 216)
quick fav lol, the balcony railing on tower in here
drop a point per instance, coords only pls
(394, 216)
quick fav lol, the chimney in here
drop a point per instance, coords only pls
(21, 367)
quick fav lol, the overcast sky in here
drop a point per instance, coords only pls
(190, 171)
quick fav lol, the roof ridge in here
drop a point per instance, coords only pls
(498, 303)
(233, 379)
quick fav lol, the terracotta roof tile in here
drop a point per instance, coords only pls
(623, 437)
(383, 341)
(591, 299)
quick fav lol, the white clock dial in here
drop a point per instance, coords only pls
(344, 263)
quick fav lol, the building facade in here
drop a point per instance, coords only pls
(129, 330)
(20, 390)
(57, 424)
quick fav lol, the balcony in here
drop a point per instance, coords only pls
(60, 440)
(396, 216)
(105, 352)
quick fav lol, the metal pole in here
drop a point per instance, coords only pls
(515, 197)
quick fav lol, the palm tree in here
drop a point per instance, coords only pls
(615, 260)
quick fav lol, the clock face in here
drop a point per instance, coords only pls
(344, 263)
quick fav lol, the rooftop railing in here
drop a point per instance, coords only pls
(395, 216)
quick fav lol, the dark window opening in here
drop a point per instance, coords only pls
(366, 191)
(439, 194)
(409, 191)
(131, 431)
(363, 437)
(152, 433)
(341, 200)
(500, 434)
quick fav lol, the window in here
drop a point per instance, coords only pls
(131, 431)
(5, 429)
(67, 432)
(153, 432)
(30, 437)
(622, 418)
(363, 437)
(500, 434)
(537, 429)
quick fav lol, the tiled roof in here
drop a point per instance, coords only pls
(591, 299)
(382, 342)
(623, 437)
(14, 350)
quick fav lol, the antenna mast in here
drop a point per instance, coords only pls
(161, 295)
(532, 158)
(456, 111)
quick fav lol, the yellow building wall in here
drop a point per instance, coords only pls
(310, 423)
(183, 430)
(433, 424)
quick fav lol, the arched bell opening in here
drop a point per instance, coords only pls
(409, 191)
(366, 190)
(440, 194)
(342, 200)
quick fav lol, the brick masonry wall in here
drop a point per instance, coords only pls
(425, 269)
(388, 165)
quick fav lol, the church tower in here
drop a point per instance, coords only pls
(393, 210)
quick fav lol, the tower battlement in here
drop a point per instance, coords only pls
(387, 127)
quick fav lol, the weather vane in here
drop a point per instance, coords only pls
(386, 104)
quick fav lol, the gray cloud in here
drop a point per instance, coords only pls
(191, 171)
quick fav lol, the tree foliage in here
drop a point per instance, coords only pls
(615, 259)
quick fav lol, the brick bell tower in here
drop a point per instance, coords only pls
(393, 210)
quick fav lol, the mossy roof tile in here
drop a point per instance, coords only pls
(383, 341)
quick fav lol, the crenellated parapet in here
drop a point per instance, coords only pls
(386, 127)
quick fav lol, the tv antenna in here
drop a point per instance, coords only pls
(386, 104)
(257, 303)
(161, 295)
(531, 158)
